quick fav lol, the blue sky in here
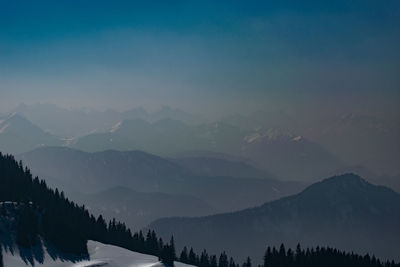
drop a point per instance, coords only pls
(201, 55)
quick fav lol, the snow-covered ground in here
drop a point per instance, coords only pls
(100, 255)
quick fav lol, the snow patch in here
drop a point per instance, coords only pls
(12, 115)
(116, 127)
(99, 254)
(3, 128)
(252, 138)
(275, 189)
(297, 138)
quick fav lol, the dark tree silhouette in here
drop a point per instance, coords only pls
(184, 257)
(27, 227)
(223, 260)
(319, 256)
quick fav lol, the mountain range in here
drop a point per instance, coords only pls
(72, 123)
(271, 150)
(343, 211)
(82, 172)
(271, 141)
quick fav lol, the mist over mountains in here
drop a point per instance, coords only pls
(71, 123)
(173, 173)
(182, 168)
(200, 133)
(345, 212)
(88, 175)
(268, 140)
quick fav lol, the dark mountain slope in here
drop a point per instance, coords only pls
(343, 211)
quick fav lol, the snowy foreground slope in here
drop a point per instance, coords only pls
(100, 255)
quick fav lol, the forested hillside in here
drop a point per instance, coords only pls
(49, 214)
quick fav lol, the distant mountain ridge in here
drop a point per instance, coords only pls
(164, 137)
(79, 171)
(272, 149)
(343, 211)
(18, 134)
(79, 122)
(352, 138)
(269, 148)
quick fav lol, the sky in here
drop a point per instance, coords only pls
(211, 56)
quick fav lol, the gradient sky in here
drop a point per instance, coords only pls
(214, 56)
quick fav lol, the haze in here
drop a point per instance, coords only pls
(196, 131)
(210, 58)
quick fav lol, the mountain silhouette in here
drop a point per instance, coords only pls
(344, 211)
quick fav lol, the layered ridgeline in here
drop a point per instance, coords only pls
(77, 171)
(40, 227)
(272, 141)
(345, 212)
(79, 122)
(272, 149)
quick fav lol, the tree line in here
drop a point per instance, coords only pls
(49, 214)
(319, 256)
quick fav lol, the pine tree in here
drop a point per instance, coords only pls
(232, 262)
(184, 257)
(247, 263)
(172, 248)
(192, 257)
(223, 260)
(299, 255)
(204, 259)
(267, 258)
(160, 246)
(213, 261)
